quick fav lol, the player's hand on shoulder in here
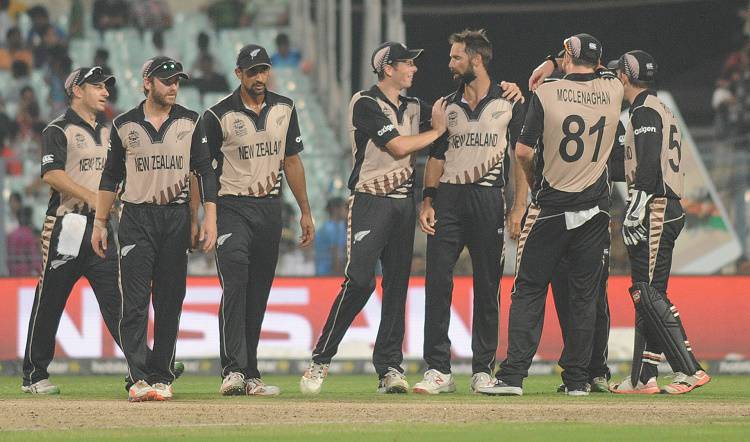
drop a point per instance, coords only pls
(512, 92)
(438, 115)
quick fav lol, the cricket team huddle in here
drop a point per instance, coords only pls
(565, 147)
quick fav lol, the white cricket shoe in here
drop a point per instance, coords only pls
(393, 382)
(162, 392)
(500, 388)
(141, 391)
(435, 382)
(481, 379)
(42, 387)
(256, 387)
(233, 385)
(312, 380)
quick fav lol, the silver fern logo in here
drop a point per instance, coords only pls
(125, 250)
(222, 239)
(359, 236)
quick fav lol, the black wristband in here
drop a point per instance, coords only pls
(429, 192)
(553, 59)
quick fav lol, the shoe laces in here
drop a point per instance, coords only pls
(393, 373)
(256, 381)
(160, 386)
(680, 378)
(316, 370)
(432, 375)
(236, 376)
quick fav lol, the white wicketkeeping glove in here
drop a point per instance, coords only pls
(633, 230)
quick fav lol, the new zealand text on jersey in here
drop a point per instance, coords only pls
(89, 164)
(263, 149)
(472, 139)
(158, 162)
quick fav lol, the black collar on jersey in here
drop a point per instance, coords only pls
(270, 99)
(588, 76)
(641, 98)
(493, 93)
(156, 135)
(402, 102)
(72, 117)
(259, 119)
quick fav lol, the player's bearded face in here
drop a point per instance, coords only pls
(164, 92)
(254, 80)
(465, 77)
(460, 64)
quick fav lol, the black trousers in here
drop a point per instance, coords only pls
(249, 232)
(153, 242)
(471, 216)
(561, 294)
(651, 262)
(544, 242)
(59, 275)
(378, 228)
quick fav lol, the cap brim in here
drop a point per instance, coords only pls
(613, 65)
(107, 79)
(252, 65)
(168, 75)
(412, 54)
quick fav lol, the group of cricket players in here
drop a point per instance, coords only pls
(562, 148)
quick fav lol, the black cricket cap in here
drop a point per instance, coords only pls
(583, 47)
(252, 55)
(90, 75)
(637, 65)
(390, 52)
(162, 67)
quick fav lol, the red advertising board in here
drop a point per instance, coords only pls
(714, 310)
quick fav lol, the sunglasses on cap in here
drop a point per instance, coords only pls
(96, 70)
(168, 66)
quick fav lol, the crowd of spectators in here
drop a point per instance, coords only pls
(34, 63)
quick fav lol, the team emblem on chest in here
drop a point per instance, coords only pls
(239, 128)
(134, 140)
(79, 141)
(452, 119)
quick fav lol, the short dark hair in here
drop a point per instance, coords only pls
(282, 39)
(37, 11)
(12, 30)
(476, 42)
(19, 68)
(580, 62)
(102, 53)
(642, 84)
(203, 40)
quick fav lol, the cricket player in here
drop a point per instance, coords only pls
(463, 206)
(254, 137)
(387, 129)
(654, 219)
(155, 145)
(74, 149)
(572, 122)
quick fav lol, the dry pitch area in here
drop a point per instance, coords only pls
(95, 407)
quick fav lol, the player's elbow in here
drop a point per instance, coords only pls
(524, 153)
(397, 147)
(50, 177)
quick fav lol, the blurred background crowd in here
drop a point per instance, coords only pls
(41, 42)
